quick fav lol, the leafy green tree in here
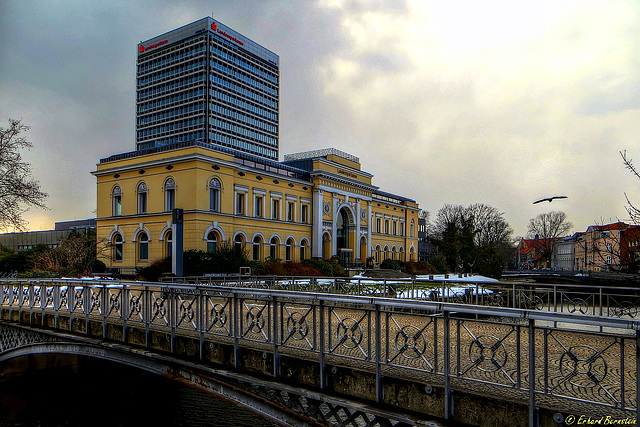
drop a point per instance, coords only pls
(489, 262)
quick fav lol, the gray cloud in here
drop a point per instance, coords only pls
(500, 105)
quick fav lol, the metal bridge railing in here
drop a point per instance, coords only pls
(620, 302)
(478, 348)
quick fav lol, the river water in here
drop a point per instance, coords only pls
(101, 393)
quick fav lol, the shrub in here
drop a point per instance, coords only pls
(273, 267)
(300, 269)
(99, 266)
(153, 271)
(227, 259)
(326, 268)
(419, 268)
(390, 264)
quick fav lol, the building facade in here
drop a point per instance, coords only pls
(317, 204)
(607, 247)
(563, 257)
(206, 82)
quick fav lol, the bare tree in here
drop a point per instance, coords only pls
(634, 212)
(489, 226)
(448, 214)
(76, 254)
(491, 229)
(18, 191)
(548, 227)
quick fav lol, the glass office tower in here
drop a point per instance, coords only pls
(206, 82)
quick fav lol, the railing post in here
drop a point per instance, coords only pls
(236, 338)
(601, 307)
(637, 377)
(201, 327)
(71, 303)
(532, 375)
(56, 306)
(323, 368)
(86, 294)
(448, 401)
(276, 356)
(125, 313)
(379, 388)
(146, 307)
(173, 317)
(105, 310)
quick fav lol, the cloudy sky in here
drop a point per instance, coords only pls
(458, 102)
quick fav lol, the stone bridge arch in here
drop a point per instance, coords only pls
(274, 401)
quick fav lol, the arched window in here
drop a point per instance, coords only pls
(288, 249)
(239, 241)
(118, 247)
(142, 198)
(168, 240)
(214, 195)
(143, 246)
(273, 250)
(303, 248)
(212, 241)
(116, 197)
(257, 246)
(169, 194)
(411, 229)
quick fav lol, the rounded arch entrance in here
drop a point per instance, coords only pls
(346, 240)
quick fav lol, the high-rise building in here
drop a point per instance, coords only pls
(207, 148)
(206, 82)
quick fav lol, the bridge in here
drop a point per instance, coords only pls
(313, 358)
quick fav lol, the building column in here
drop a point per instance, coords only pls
(357, 242)
(334, 231)
(316, 228)
(370, 226)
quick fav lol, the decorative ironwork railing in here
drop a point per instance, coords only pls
(620, 302)
(514, 351)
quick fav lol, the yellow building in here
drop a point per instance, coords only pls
(316, 204)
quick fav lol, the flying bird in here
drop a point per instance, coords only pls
(549, 199)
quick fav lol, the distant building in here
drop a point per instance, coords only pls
(206, 82)
(607, 247)
(425, 248)
(563, 257)
(534, 253)
(23, 241)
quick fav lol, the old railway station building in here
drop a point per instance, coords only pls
(207, 128)
(315, 204)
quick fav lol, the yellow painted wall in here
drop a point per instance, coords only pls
(192, 169)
